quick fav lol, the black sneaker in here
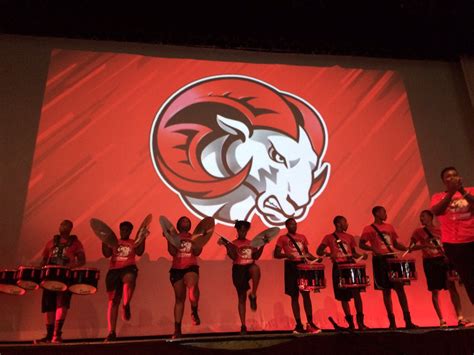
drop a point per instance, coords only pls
(299, 329)
(312, 328)
(126, 312)
(57, 339)
(243, 330)
(195, 318)
(111, 337)
(410, 325)
(44, 340)
(253, 302)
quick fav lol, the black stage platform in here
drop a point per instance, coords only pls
(456, 341)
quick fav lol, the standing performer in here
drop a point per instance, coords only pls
(122, 275)
(244, 269)
(455, 211)
(65, 250)
(382, 239)
(436, 266)
(342, 251)
(184, 274)
(293, 247)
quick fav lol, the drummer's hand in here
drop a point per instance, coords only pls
(365, 256)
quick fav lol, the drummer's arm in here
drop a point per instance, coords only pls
(278, 253)
(231, 250)
(357, 255)
(321, 250)
(197, 251)
(80, 260)
(363, 245)
(399, 246)
(414, 246)
(308, 255)
(106, 250)
(172, 249)
(258, 253)
(140, 249)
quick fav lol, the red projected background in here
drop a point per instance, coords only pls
(257, 141)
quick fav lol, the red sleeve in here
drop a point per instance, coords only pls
(325, 241)
(436, 198)
(79, 247)
(280, 241)
(366, 233)
(416, 235)
(353, 242)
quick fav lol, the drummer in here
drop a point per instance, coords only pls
(184, 274)
(122, 275)
(293, 247)
(436, 266)
(381, 239)
(63, 249)
(244, 269)
(342, 251)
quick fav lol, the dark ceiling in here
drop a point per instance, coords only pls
(424, 29)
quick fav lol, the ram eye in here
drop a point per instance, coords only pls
(275, 156)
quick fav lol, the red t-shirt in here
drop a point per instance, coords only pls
(62, 254)
(185, 257)
(123, 255)
(457, 221)
(244, 252)
(370, 235)
(337, 253)
(421, 237)
(285, 243)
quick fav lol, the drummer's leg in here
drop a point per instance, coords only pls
(62, 306)
(129, 283)
(358, 302)
(308, 306)
(255, 275)
(112, 310)
(455, 299)
(346, 308)
(191, 280)
(242, 307)
(402, 297)
(180, 297)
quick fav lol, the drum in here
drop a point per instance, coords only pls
(310, 277)
(353, 276)
(8, 284)
(401, 270)
(84, 281)
(55, 277)
(29, 277)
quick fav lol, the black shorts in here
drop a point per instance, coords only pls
(241, 277)
(380, 267)
(341, 294)
(53, 299)
(461, 256)
(113, 280)
(291, 277)
(178, 274)
(436, 271)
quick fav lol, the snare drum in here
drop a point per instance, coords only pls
(29, 277)
(352, 276)
(55, 277)
(8, 284)
(310, 277)
(84, 281)
(401, 270)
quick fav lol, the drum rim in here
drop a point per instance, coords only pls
(310, 267)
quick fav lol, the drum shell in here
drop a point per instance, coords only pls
(401, 270)
(84, 281)
(8, 285)
(310, 277)
(353, 276)
(55, 278)
(29, 277)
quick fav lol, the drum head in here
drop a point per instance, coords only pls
(27, 285)
(54, 285)
(12, 290)
(83, 289)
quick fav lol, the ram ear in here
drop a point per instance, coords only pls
(233, 127)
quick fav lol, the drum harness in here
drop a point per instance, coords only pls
(59, 258)
(379, 233)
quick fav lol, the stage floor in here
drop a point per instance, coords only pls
(378, 341)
